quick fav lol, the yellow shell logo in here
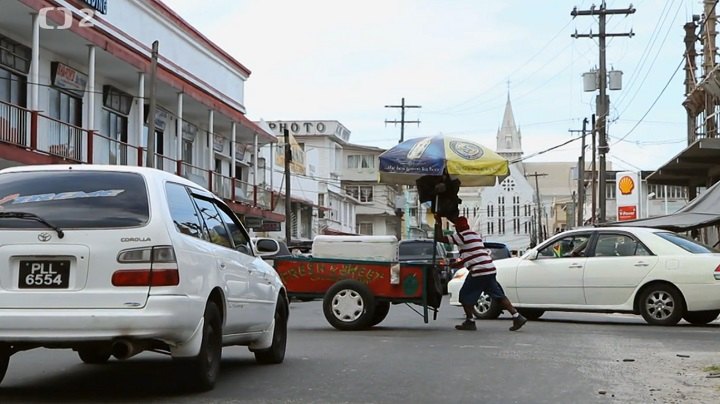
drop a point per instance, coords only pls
(626, 185)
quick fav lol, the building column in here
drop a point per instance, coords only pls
(141, 112)
(211, 140)
(35, 63)
(255, 159)
(179, 132)
(233, 155)
(91, 89)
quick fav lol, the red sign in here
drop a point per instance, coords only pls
(627, 213)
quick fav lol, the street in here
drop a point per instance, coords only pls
(563, 358)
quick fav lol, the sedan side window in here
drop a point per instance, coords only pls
(570, 246)
(628, 247)
(238, 235)
(183, 212)
(218, 234)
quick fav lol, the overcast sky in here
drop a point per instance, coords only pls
(346, 60)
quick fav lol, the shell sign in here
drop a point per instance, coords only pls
(627, 195)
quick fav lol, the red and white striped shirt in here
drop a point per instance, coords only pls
(474, 255)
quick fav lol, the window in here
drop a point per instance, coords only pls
(490, 210)
(240, 239)
(114, 126)
(76, 199)
(12, 88)
(618, 245)
(365, 229)
(15, 56)
(686, 243)
(182, 211)
(321, 204)
(214, 225)
(570, 246)
(363, 193)
(610, 190)
(361, 161)
(65, 107)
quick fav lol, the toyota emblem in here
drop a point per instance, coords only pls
(44, 236)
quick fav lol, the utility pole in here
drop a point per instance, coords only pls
(150, 160)
(288, 207)
(603, 102)
(538, 208)
(708, 64)
(581, 176)
(693, 109)
(402, 120)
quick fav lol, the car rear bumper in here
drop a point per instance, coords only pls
(701, 297)
(172, 319)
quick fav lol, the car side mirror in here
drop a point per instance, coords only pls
(267, 246)
(532, 255)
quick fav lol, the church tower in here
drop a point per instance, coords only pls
(509, 143)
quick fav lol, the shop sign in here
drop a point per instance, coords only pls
(270, 226)
(627, 213)
(627, 195)
(218, 143)
(253, 222)
(99, 5)
(67, 78)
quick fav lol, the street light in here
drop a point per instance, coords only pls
(647, 203)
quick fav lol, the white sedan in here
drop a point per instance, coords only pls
(658, 274)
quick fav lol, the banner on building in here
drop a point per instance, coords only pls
(297, 164)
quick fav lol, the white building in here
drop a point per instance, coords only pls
(320, 206)
(504, 213)
(376, 202)
(75, 87)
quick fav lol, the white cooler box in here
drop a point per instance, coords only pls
(364, 248)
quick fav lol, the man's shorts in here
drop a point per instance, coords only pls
(474, 286)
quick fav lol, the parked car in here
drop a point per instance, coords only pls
(114, 260)
(421, 250)
(661, 275)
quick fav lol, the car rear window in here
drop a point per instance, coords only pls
(75, 200)
(686, 243)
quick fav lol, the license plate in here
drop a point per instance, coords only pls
(44, 274)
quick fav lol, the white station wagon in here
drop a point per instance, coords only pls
(661, 275)
(114, 260)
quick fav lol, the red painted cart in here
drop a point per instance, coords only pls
(358, 294)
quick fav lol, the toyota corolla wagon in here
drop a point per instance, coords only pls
(114, 260)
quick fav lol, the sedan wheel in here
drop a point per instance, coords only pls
(662, 305)
(205, 367)
(487, 308)
(4, 359)
(701, 317)
(276, 352)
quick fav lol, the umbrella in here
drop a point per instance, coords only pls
(470, 162)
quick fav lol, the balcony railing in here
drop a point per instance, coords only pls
(31, 129)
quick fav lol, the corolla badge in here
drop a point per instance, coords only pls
(44, 236)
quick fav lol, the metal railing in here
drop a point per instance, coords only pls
(31, 129)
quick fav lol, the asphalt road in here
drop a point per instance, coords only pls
(564, 358)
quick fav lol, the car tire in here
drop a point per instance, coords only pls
(531, 314)
(276, 353)
(381, 311)
(661, 304)
(487, 308)
(205, 367)
(4, 360)
(95, 354)
(701, 317)
(349, 305)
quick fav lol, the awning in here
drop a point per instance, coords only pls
(702, 211)
(692, 167)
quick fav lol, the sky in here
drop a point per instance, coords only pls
(458, 60)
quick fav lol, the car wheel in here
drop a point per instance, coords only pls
(701, 317)
(4, 360)
(276, 352)
(662, 304)
(487, 308)
(204, 368)
(531, 314)
(349, 305)
(381, 311)
(95, 354)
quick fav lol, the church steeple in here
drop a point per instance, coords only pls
(509, 141)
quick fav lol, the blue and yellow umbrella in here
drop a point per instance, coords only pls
(470, 162)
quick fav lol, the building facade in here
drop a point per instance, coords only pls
(75, 87)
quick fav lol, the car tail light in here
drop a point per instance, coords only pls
(163, 269)
(717, 273)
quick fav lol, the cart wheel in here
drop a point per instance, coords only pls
(349, 305)
(381, 311)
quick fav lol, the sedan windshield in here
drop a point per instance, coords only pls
(686, 243)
